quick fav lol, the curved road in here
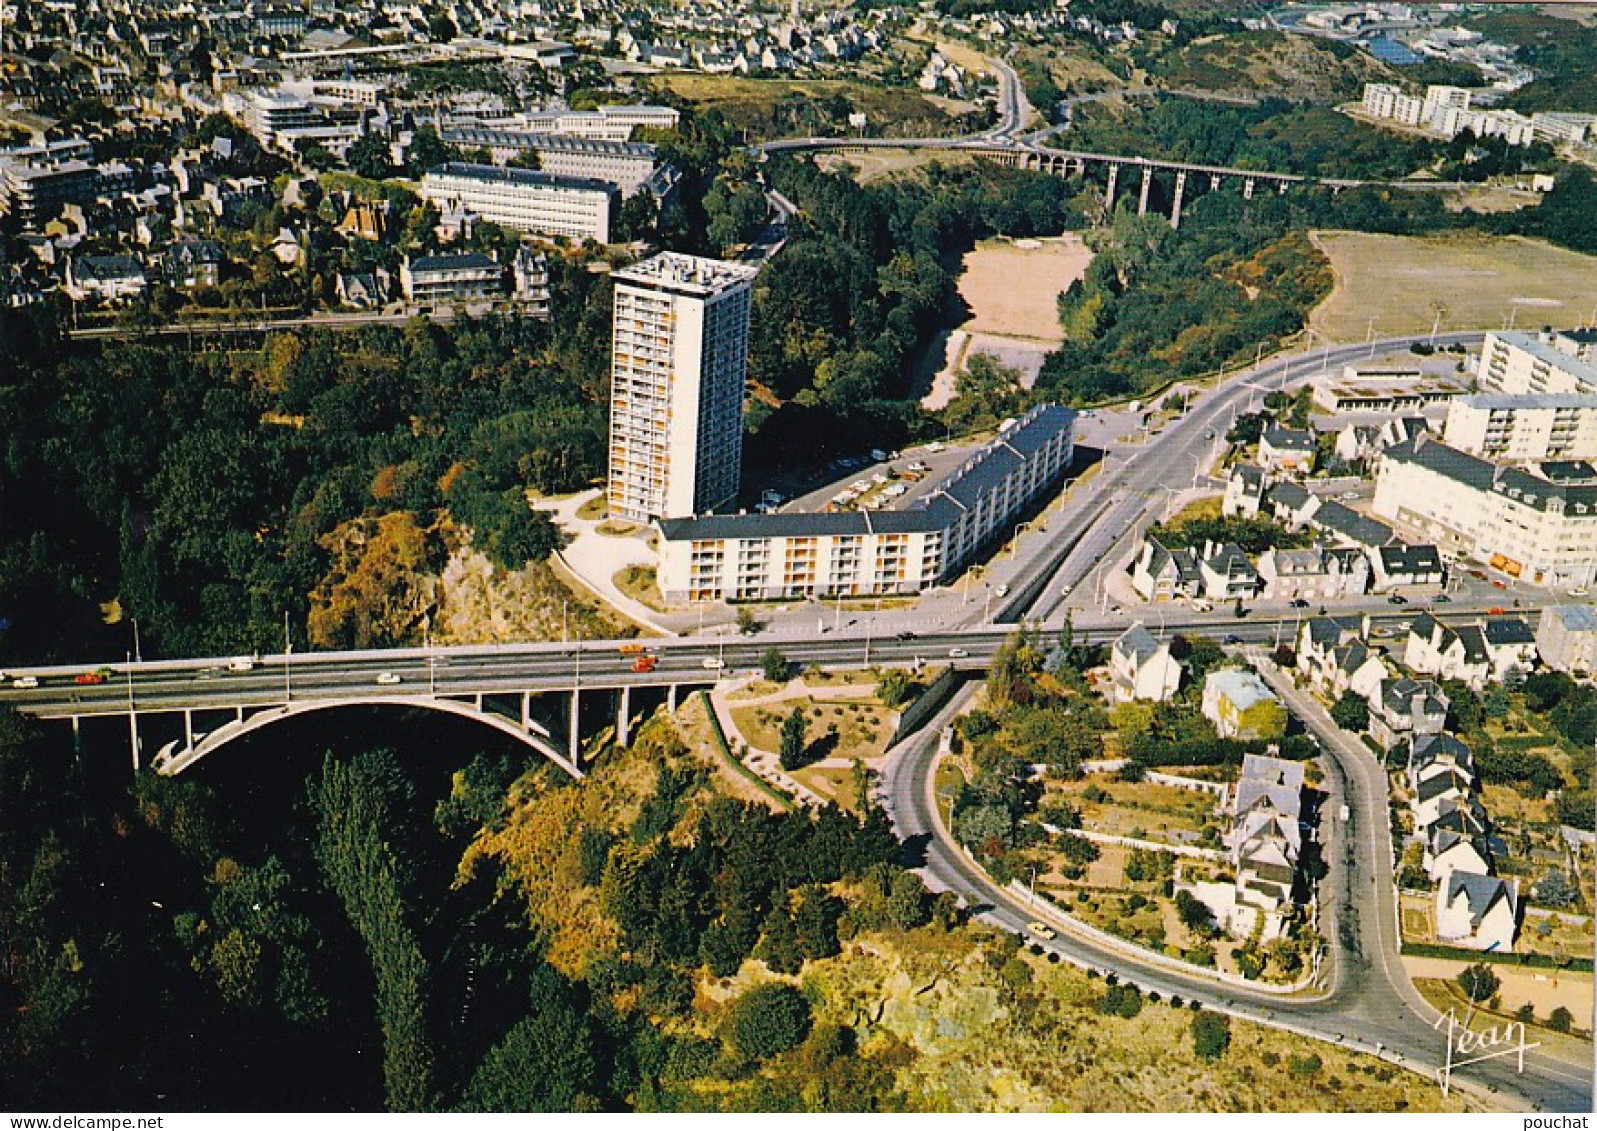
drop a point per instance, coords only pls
(1370, 1006)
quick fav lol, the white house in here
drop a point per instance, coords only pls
(1447, 850)
(1477, 912)
(1243, 492)
(1287, 449)
(1566, 638)
(1141, 667)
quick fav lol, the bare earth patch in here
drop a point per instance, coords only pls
(1403, 282)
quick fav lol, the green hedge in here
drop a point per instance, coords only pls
(1539, 961)
(1524, 742)
(738, 767)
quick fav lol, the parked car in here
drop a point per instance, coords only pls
(1443, 599)
(1496, 584)
(388, 679)
(1002, 590)
(633, 648)
(1299, 603)
(1397, 599)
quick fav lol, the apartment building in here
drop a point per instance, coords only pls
(605, 123)
(1524, 428)
(527, 200)
(1566, 638)
(1540, 526)
(34, 194)
(861, 553)
(629, 165)
(447, 278)
(1517, 362)
(1383, 100)
(680, 340)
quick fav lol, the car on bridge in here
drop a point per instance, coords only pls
(25, 682)
(957, 653)
(712, 663)
(644, 664)
(98, 675)
(633, 648)
(388, 679)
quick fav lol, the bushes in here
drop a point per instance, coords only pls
(768, 1020)
(1478, 982)
(1211, 1035)
(1121, 1001)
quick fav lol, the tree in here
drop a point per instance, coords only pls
(1555, 890)
(746, 622)
(545, 1063)
(1560, 1020)
(1479, 982)
(792, 752)
(1211, 1035)
(895, 687)
(816, 921)
(1351, 712)
(774, 665)
(779, 942)
(768, 1020)
(370, 157)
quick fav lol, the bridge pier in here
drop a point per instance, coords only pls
(526, 710)
(1280, 188)
(1214, 181)
(574, 728)
(1175, 209)
(188, 729)
(624, 717)
(1247, 189)
(1142, 196)
(1109, 194)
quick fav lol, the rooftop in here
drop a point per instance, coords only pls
(687, 274)
(527, 178)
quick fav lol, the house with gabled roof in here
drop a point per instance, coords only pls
(1437, 649)
(1398, 564)
(1162, 574)
(1401, 708)
(1477, 912)
(1226, 571)
(1265, 843)
(1447, 851)
(1287, 449)
(1244, 491)
(1290, 504)
(1141, 667)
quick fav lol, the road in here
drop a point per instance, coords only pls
(1370, 1005)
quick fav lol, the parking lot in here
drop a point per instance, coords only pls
(866, 483)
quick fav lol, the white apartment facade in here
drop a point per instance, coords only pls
(527, 200)
(861, 553)
(1539, 529)
(1516, 362)
(680, 347)
(629, 165)
(1523, 428)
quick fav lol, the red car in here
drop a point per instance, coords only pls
(1495, 611)
(1498, 584)
(93, 677)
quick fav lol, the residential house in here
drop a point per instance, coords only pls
(1400, 564)
(1265, 842)
(1349, 666)
(1440, 792)
(1289, 450)
(1290, 504)
(193, 263)
(1434, 648)
(1447, 851)
(1141, 667)
(1510, 644)
(1406, 708)
(110, 278)
(1316, 572)
(360, 289)
(1477, 912)
(1566, 638)
(433, 278)
(1244, 491)
(1350, 527)
(1241, 706)
(1226, 572)
(1163, 575)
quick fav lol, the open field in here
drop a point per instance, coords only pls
(1543, 990)
(1475, 280)
(1013, 286)
(863, 727)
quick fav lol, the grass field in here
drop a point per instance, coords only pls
(1403, 282)
(863, 728)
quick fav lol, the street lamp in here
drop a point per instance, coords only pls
(1014, 541)
(288, 646)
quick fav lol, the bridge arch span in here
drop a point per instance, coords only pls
(175, 757)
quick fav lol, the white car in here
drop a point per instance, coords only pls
(957, 653)
(1002, 590)
(388, 679)
(241, 664)
(712, 663)
(25, 682)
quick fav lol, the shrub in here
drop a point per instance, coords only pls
(1478, 981)
(768, 1020)
(1211, 1035)
(1560, 1020)
(1304, 1066)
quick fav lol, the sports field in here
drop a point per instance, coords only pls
(1471, 280)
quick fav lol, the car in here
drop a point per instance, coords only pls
(1209, 435)
(1002, 590)
(905, 636)
(1041, 930)
(1382, 632)
(1350, 495)
(1578, 591)
(644, 664)
(1397, 599)
(388, 679)
(1233, 638)
(1496, 584)
(1299, 603)
(241, 664)
(1477, 575)
(632, 648)
(1443, 599)
(712, 663)
(89, 678)
(25, 682)
(957, 653)
(1495, 611)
